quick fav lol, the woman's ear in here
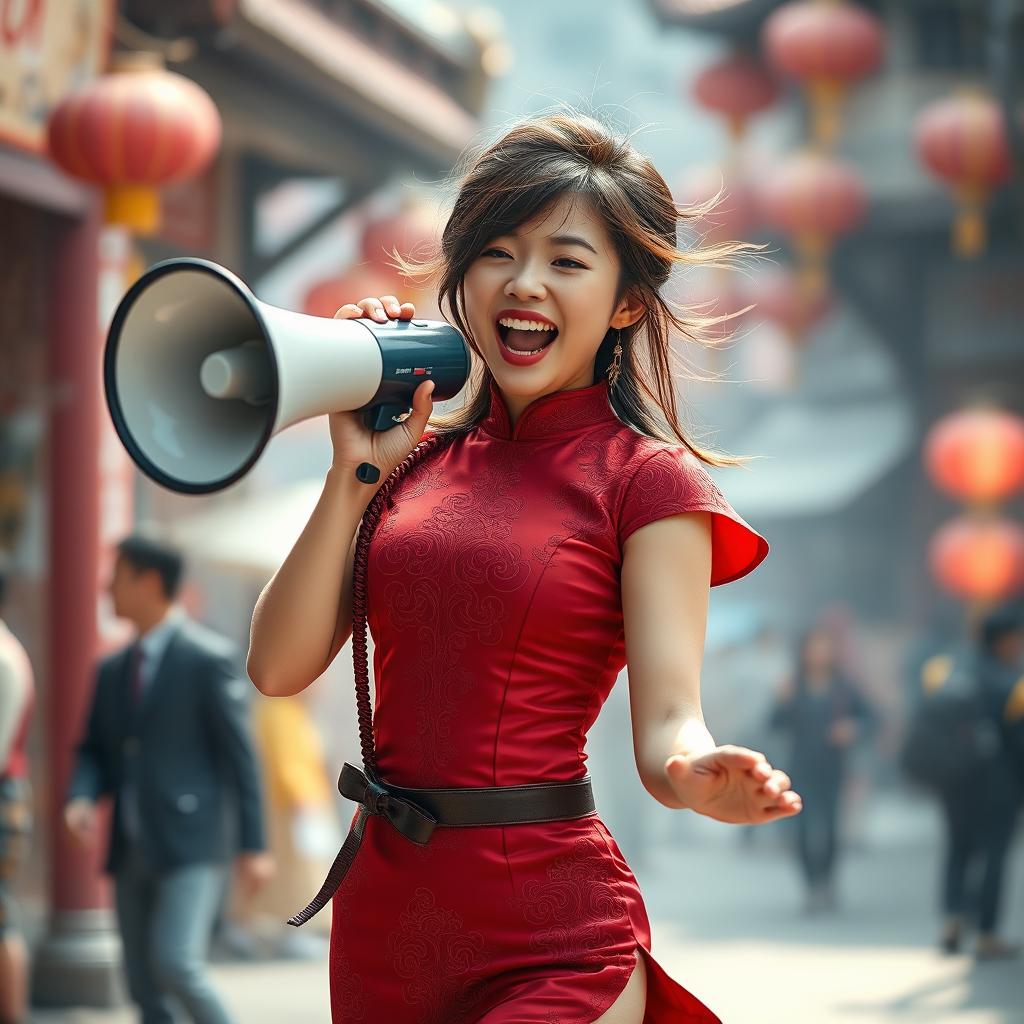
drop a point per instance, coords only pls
(629, 310)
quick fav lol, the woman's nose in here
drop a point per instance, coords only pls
(525, 285)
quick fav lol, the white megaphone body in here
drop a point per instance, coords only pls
(199, 374)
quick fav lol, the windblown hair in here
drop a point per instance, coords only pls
(508, 184)
(518, 177)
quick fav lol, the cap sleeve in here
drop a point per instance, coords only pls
(674, 480)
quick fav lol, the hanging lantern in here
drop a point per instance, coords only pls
(778, 296)
(962, 140)
(814, 199)
(980, 559)
(732, 218)
(736, 87)
(827, 45)
(977, 455)
(133, 130)
(326, 297)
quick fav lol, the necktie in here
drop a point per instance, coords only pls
(137, 658)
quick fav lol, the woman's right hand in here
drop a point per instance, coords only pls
(355, 443)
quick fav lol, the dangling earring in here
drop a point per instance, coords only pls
(615, 368)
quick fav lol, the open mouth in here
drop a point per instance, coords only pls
(525, 340)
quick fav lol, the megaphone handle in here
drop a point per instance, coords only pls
(382, 417)
(378, 417)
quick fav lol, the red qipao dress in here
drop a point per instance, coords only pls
(494, 603)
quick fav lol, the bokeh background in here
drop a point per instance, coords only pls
(876, 373)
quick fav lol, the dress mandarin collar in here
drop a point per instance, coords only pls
(561, 412)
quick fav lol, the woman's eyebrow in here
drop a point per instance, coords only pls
(557, 240)
(572, 240)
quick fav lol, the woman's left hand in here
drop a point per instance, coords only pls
(732, 784)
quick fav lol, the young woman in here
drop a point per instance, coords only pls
(824, 713)
(510, 556)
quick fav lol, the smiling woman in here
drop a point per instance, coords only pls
(561, 221)
(503, 568)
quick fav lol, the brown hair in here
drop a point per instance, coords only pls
(518, 177)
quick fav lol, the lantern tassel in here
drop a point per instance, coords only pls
(136, 207)
(969, 234)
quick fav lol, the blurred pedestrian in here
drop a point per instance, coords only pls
(823, 712)
(981, 807)
(168, 737)
(16, 700)
(302, 822)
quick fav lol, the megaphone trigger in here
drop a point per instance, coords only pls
(382, 417)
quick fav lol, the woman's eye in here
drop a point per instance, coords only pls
(561, 259)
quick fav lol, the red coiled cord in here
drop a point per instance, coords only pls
(371, 517)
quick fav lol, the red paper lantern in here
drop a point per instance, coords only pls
(777, 295)
(982, 559)
(328, 296)
(963, 141)
(977, 454)
(827, 46)
(813, 198)
(736, 87)
(132, 130)
(732, 218)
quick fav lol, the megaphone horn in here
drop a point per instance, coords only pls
(199, 374)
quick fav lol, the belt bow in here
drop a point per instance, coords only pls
(374, 797)
(416, 824)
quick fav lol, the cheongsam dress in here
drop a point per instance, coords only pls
(494, 604)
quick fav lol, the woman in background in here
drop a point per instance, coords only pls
(824, 714)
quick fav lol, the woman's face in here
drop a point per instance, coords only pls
(559, 269)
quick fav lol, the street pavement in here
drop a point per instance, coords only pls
(728, 924)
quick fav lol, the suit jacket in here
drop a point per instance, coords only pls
(191, 743)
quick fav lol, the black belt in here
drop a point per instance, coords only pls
(415, 813)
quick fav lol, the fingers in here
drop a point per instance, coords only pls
(777, 783)
(422, 407)
(781, 810)
(377, 309)
(783, 799)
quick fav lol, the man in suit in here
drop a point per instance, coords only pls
(168, 737)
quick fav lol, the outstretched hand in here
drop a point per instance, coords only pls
(732, 784)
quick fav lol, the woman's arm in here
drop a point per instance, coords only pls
(666, 576)
(304, 615)
(666, 581)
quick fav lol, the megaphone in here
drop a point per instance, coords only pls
(199, 374)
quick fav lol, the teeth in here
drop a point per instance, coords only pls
(533, 352)
(525, 325)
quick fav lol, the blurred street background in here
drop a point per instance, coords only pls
(875, 147)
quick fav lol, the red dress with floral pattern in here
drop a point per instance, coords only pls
(494, 603)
